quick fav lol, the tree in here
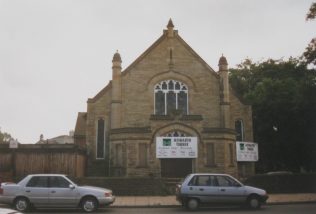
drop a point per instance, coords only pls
(283, 97)
(312, 12)
(310, 52)
(5, 137)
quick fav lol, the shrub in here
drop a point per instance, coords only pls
(284, 183)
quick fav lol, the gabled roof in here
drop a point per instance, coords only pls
(157, 42)
(80, 129)
(103, 91)
(146, 52)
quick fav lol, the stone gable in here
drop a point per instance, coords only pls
(127, 107)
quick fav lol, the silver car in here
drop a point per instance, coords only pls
(53, 190)
(205, 188)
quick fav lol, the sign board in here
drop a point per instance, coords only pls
(13, 144)
(247, 151)
(176, 147)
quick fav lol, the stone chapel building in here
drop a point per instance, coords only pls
(168, 91)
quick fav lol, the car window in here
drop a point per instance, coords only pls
(193, 181)
(37, 181)
(225, 181)
(203, 180)
(58, 182)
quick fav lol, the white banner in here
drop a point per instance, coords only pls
(176, 147)
(247, 151)
(13, 144)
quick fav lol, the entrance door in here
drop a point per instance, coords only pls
(175, 167)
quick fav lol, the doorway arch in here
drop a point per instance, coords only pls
(176, 167)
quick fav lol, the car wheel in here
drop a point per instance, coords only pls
(89, 204)
(254, 202)
(21, 204)
(192, 204)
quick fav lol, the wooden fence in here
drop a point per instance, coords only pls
(27, 159)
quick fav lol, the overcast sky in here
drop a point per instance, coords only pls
(54, 55)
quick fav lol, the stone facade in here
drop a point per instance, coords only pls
(125, 110)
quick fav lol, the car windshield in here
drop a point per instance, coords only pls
(183, 179)
(72, 179)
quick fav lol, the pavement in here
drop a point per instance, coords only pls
(167, 201)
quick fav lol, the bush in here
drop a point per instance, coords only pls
(284, 183)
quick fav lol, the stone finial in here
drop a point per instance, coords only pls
(170, 27)
(222, 61)
(117, 57)
(170, 24)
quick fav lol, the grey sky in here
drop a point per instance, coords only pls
(54, 55)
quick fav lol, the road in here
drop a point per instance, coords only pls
(271, 209)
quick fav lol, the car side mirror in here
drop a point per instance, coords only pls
(71, 186)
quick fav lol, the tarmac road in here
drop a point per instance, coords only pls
(305, 208)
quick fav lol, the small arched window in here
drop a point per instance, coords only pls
(171, 95)
(239, 127)
(100, 145)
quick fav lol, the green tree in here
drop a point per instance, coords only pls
(310, 52)
(283, 97)
(4, 137)
(312, 12)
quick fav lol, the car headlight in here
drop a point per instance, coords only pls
(108, 194)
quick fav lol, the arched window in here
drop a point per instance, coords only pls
(171, 95)
(100, 150)
(239, 127)
(176, 134)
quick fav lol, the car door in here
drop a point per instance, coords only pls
(204, 188)
(60, 192)
(36, 190)
(230, 191)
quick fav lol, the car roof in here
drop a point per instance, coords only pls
(47, 175)
(209, 174)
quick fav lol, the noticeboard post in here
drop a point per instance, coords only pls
(13, 144)
(247, 151)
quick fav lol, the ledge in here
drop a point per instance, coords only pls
(131, 130)
(218, 130)
(161, 117)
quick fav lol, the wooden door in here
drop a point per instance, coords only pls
(175, 167)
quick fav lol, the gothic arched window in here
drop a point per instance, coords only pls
(239, 127)
(171, 95)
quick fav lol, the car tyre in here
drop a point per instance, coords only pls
(192, 204)
(21, 204)
(89, 204)
(254, 202)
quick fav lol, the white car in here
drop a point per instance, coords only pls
(206, 188)
(53, 190)
(8, 211)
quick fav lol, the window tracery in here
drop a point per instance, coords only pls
(171, 95)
